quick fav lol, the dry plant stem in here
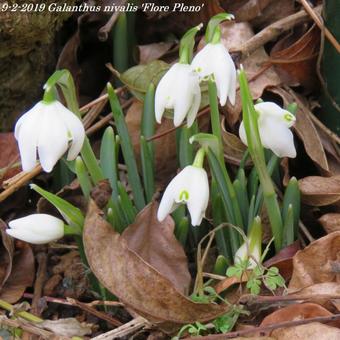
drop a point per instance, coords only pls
(124, 330)
(263, 329)
(319, 22)
(72, 302)
(306, 232)
(274, 30)
(4, 321)
(22, 179)
(39, 282)
(85, 307)
(106, 119)
(250, 300)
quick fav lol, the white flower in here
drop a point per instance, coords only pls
(189, 187)
(274, 123)
(214, 59)
(241, 255)
(178, 90)
(48, 128)
(37, 228)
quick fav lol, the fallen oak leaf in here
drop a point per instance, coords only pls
(68, 327)
(135, 282)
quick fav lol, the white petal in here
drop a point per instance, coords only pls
(202, 62)
(198, 194)
(195, 106)
(37, 228)
(232, 82)
(242, 134)
(27, 134)
(241, 254)
(75, 128)
(53, 138)
(165, 92)
(184, 97)
(275, 111)
(277, 137)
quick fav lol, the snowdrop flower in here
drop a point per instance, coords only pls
(178, 90)
(251, 249)
(190, 187)
(274, 123)
(48, 128)
(37, 228)
(214, 59)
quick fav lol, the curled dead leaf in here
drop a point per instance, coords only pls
(134, 281)
(317, 262)
(320, 191)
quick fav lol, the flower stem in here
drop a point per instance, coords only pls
(199, 158)
(257, 154)
(23, 314)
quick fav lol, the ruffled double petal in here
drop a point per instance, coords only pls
(178, 90)
(274, 123)
(215, 60)
(190, 187)
(37, 228)
(48, 129)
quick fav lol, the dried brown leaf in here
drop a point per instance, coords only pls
(317, 263)
(330, 222)
(150, 52)
(320, 191)
(22, 274)
(318, 291)
(305, 128)
(8, 156)
(6, 254)
(295, 59)
(233, 147)
(295, 312)
(137, 284)
(310, 331)
(66, 327)
(157, 245)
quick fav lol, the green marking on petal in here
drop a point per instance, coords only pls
(288, 117)
(183, 196)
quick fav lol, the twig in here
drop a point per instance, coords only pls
(159, 135)
(304, 229)
(24, 177)
(263, 329)
(128, 328)
(104, 31)
(319, 22)
(274, 30)
(98, 314)
(106, 119)
(255, 300)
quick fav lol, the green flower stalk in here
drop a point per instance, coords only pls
(250, 120)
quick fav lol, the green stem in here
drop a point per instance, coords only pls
(199, 158)
(23, 314)
(257, 154)
(91, 162)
